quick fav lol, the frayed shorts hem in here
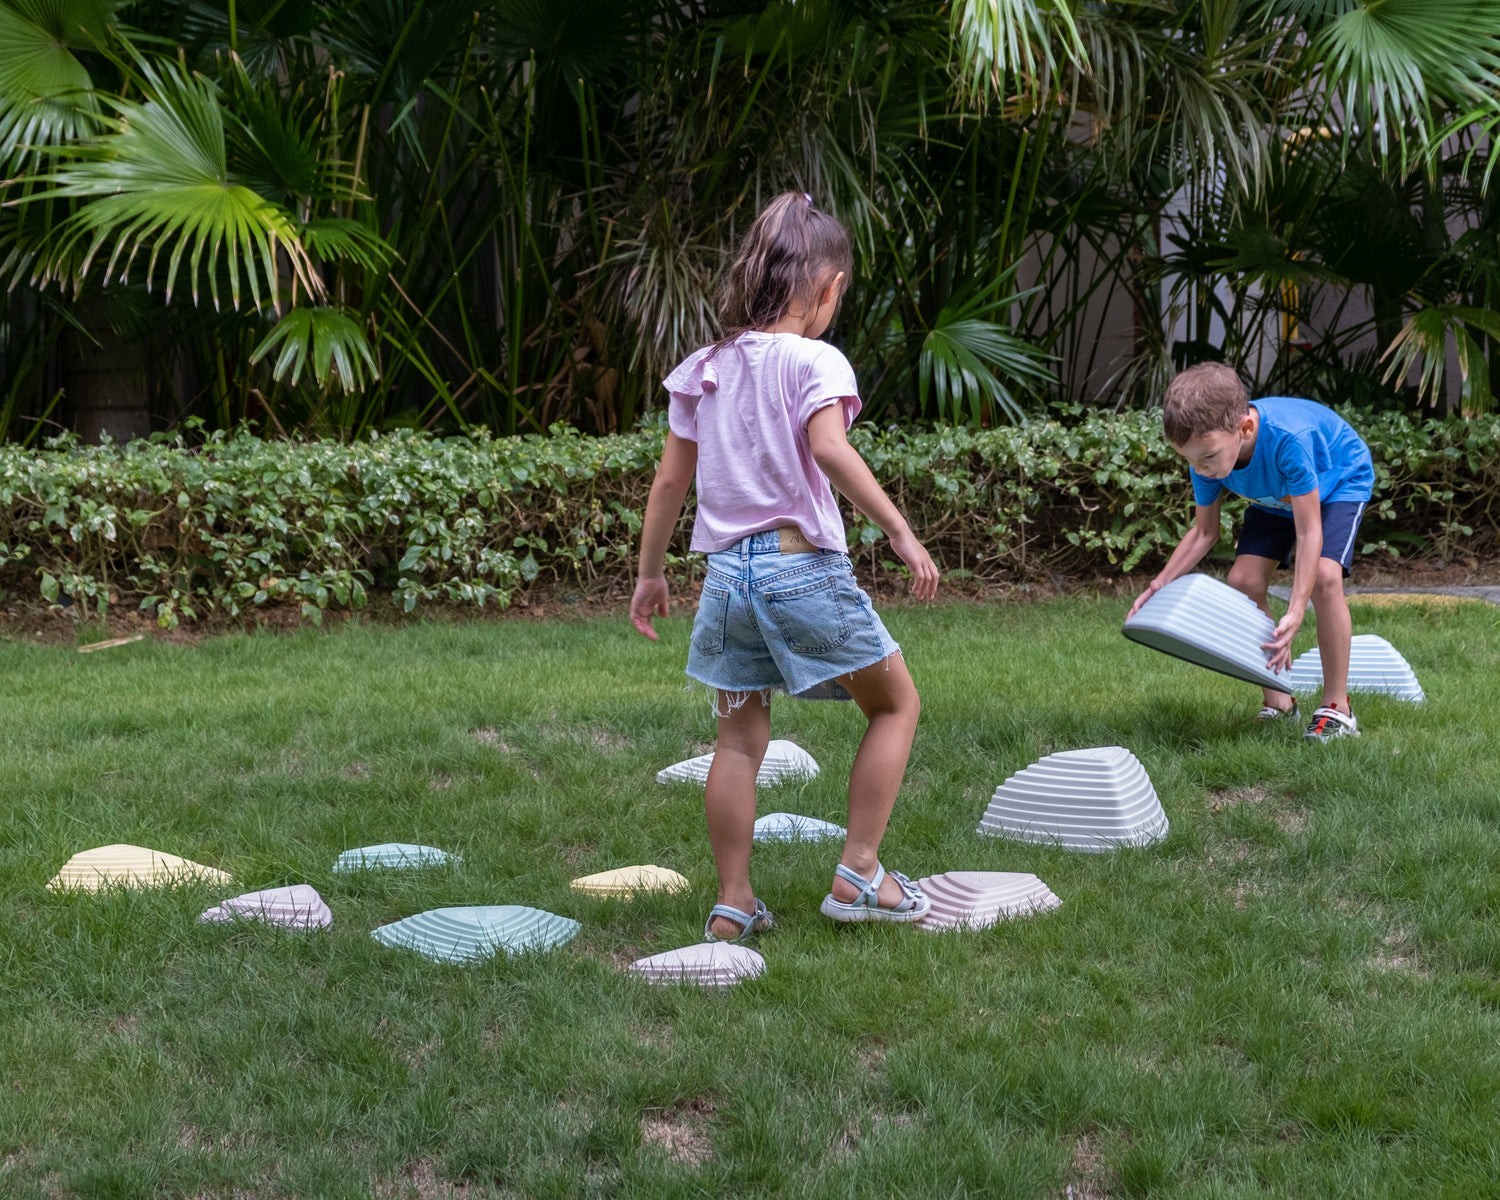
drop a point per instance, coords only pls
(789, 622)
(826, 689)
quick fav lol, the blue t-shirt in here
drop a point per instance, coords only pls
(1301, 445)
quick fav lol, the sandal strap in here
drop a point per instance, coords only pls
(910, 889)
(749, 922)
(869, 889)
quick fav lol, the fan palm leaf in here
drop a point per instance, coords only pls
(157, 181)
(967, 367)
(327, 339)
(1025, 45)
(46, 95)
(267, 38)
(969, 361)
(1397, 66)
(1422, 345)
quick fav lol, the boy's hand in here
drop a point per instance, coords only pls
(649, 600)
(924, 572)
(1279, 648)
(1151, 589)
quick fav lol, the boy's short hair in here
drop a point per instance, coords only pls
(1207, 398)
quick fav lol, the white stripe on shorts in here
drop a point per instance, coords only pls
(1353, 531)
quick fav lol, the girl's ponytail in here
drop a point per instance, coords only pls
(789, 252)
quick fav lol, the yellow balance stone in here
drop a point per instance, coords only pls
(624, 882)
(123, 865)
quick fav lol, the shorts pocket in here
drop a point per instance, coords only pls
(813, 618)
(709, 624)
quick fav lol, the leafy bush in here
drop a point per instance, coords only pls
(239, 523)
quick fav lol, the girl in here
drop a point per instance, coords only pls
(759, 419)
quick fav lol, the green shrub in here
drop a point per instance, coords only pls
(239, 523)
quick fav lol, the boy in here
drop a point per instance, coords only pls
(1308, 477)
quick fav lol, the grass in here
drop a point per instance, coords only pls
(1295, 995)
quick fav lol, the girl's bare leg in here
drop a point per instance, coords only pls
(729, 798)
(887, 696)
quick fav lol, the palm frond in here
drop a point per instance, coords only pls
(1422, 345)
(1015, 44)
(158, 182)
(972, 366)
(338, 239)
(968, 366)
(1396, 64)
(46, 94)
(327, 339)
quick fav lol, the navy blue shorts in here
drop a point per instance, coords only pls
(1270, 535)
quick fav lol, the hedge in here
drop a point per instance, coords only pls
(238, 523)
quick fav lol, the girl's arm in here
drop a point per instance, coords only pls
(674, 475)
(848, 472)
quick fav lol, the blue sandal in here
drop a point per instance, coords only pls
(750, 923)
(867, 907)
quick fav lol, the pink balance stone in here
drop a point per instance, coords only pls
(979, 899)
(295, 907)
(707, 964)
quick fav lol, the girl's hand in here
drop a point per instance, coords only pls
(649, 600)
(924, 572)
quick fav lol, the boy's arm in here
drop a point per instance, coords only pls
(848, 472)
(1196, 542)
(1307, 515)
(674, 475)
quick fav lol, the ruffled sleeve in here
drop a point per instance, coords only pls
(686, 385)
(696, 374)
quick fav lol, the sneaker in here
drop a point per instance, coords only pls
(1271, 713)
(1329, 723)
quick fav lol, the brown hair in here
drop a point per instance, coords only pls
(1207, 398)
(791, 250)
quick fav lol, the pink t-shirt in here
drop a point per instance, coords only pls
(747, 407)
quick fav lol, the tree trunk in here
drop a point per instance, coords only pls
(103, 375)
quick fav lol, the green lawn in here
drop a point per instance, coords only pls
(1296, 994)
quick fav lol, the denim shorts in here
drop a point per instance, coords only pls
(1270, 535)
(785, 622)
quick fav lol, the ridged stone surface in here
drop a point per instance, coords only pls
(979, 899)
(625, 882)
(474, 933)
(1374, 666)
(706, 964)
(1203, 621)
(124, 865)
(1091, 800)
(296, 907)
(784, 762)
(392, 854)
(791, 827)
